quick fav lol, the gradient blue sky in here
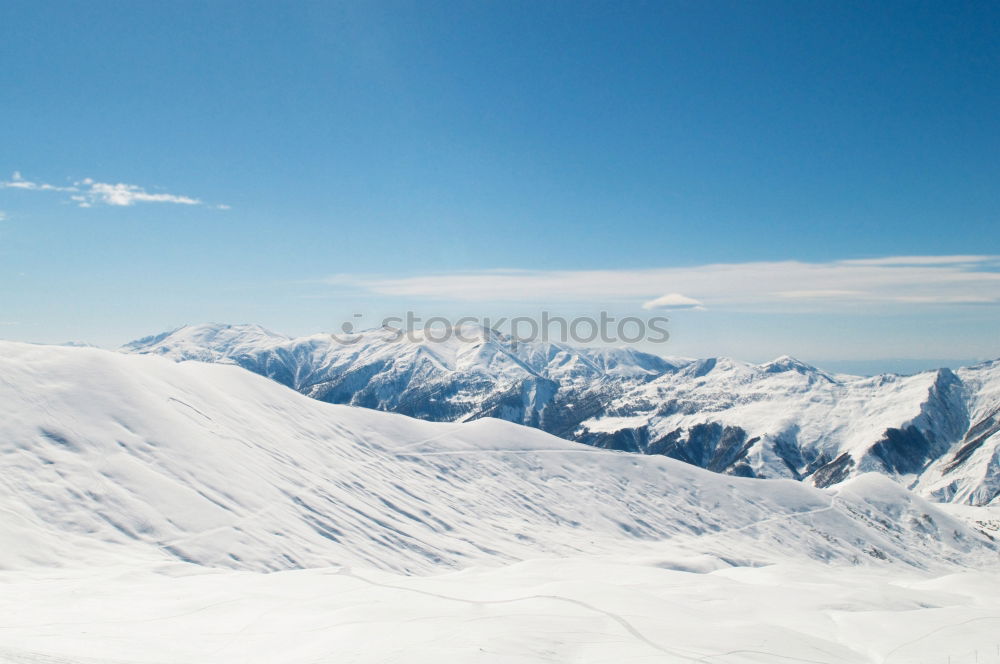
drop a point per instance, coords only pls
(770, 160)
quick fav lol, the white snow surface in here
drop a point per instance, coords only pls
(547, 610)
(153, 511)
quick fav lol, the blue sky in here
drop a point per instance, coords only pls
(798, 169)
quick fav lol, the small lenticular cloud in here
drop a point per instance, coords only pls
(674, 301)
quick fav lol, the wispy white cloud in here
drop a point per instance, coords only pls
(785, 285)
(3, 216)
(17, 181)
(124, 195)
(88, 193)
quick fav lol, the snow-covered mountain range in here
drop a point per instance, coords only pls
(937, 432)
(142, 500)
(213, 465)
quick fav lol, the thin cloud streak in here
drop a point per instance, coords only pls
(125, 195)
(787, 285)
(18, 182)
(88, 193)
(920, 260)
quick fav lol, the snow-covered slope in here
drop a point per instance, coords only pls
(103, 452)
(935, 431)
(140, 500)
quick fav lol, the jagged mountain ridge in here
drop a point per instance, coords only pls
(937, 432)
(451, 380)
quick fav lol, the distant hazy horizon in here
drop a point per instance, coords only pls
(858, 367)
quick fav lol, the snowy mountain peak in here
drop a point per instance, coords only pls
(788, 363)
(215, 339)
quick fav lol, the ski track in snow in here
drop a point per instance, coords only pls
(626, 625)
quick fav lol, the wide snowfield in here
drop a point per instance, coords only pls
(199, 514)
(551, 610)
